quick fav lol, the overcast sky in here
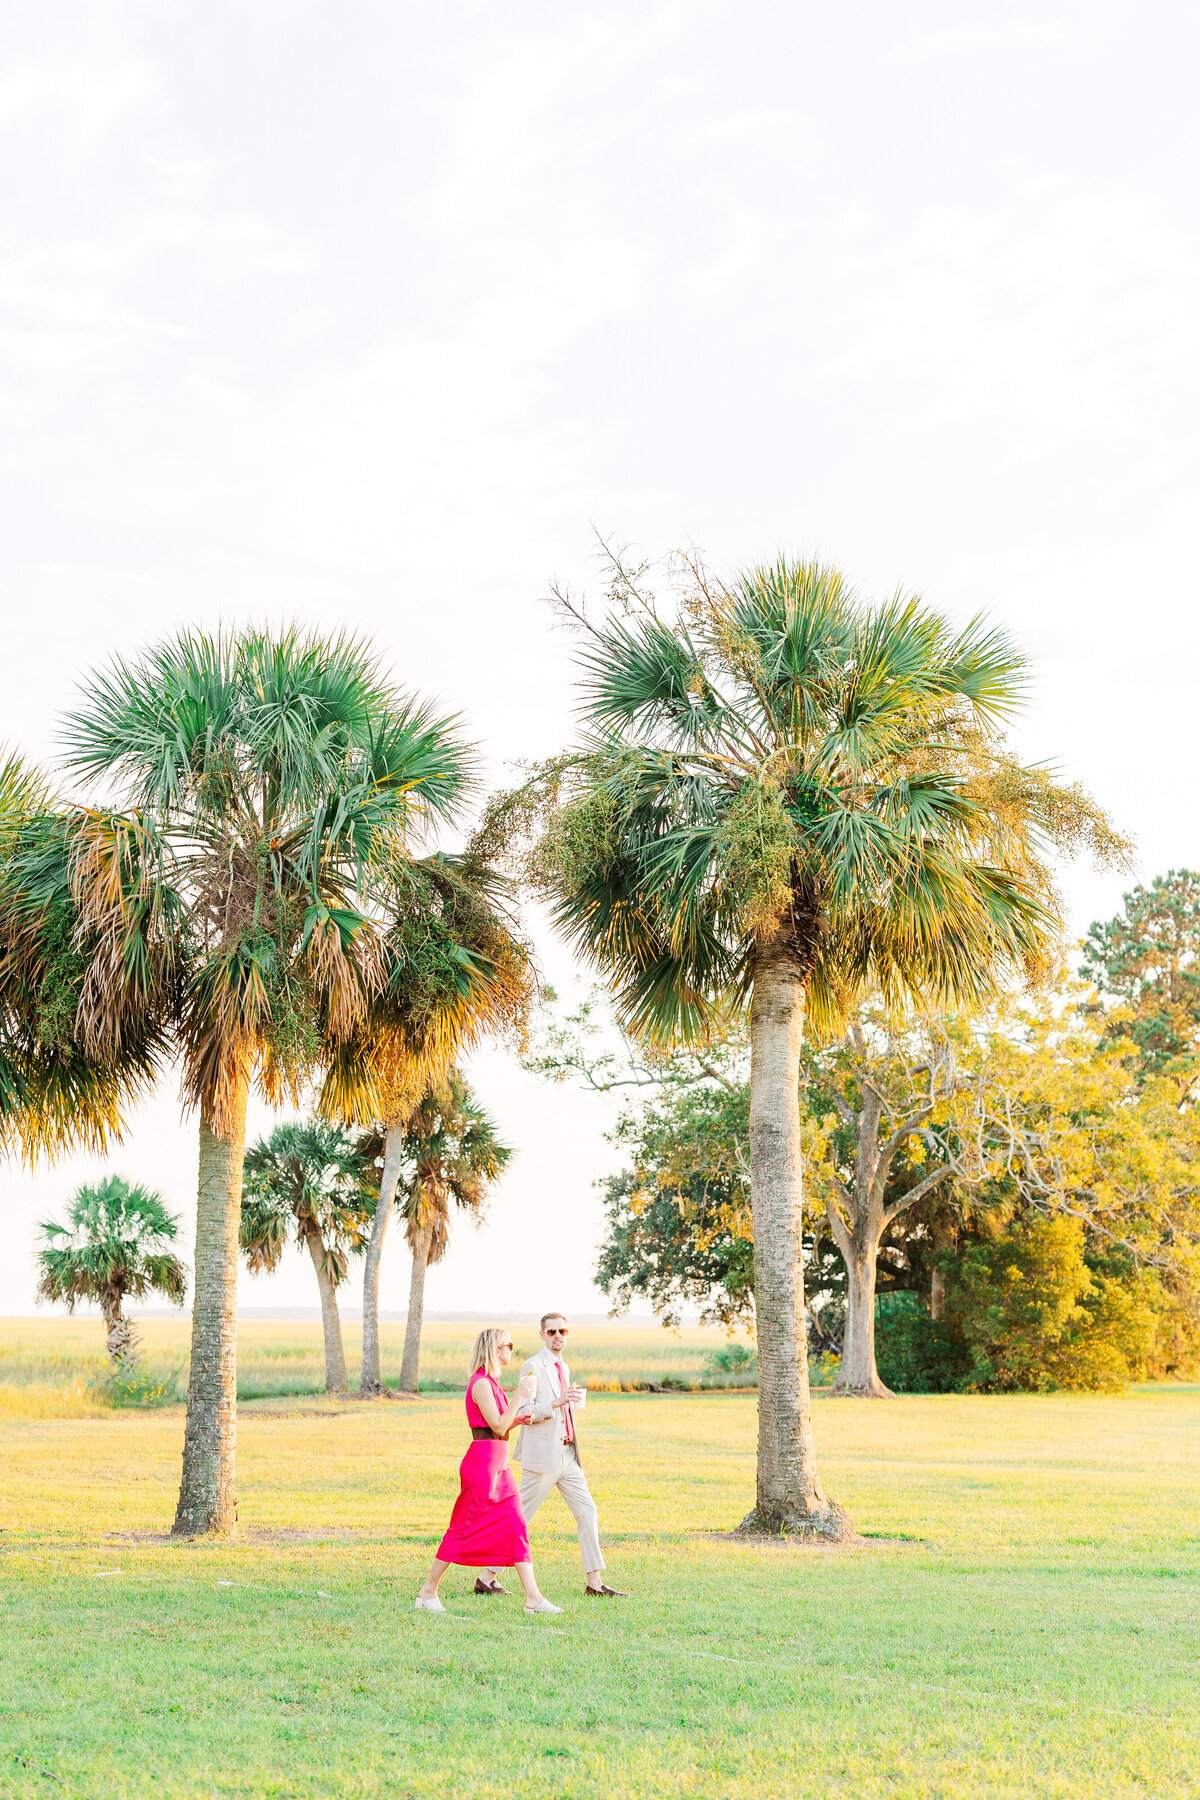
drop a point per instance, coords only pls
(367, 314)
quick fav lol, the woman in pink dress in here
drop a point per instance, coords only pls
(487, 1526)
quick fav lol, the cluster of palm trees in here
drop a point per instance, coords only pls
(248, 894)
(319, 1184)
(308, 1182)
(781, 794)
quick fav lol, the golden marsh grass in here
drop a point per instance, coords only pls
(48, 1365)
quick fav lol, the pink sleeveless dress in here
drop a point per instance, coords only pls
(487, 1526)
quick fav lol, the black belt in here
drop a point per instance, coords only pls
(485, 1431)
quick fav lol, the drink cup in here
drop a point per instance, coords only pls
(580, 1400)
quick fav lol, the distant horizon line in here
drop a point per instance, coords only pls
(353, 1316)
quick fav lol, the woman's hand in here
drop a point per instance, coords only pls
(484, 1397)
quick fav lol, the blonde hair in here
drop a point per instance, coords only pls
(553, 1315)
(486, 1348)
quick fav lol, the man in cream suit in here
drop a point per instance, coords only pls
(548, 1452)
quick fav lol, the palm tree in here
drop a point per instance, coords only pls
(262, 789)
(454, 1154)
(785, 793)
(309, 1178)
(115, 1246)
(456, 968)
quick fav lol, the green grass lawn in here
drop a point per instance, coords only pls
(1022, 1621)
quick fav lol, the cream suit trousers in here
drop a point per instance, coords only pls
(571, 1483)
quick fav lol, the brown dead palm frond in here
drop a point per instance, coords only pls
(345, 964)
(58, 1088)
(128, 917)
(456, 970)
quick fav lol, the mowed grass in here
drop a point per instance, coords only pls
(48, 1366)
(1023, 1622)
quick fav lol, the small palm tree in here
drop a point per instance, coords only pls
(311, 1181)
(786, 794)
(262, 788)
(115, 1246)
(453, 1153)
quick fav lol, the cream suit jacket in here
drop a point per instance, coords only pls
(540, 1444)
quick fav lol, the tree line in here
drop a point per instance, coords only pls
(784, 802)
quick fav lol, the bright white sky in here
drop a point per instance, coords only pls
(364, 314)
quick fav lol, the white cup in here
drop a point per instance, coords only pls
(581, 1402)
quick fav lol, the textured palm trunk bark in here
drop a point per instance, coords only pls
(370, 1381)
(336, 1379)
(858, 1375)
(789, 1498)
(207, 1499)
(410, 1371)
(120, 1336)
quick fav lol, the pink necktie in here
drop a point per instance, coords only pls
(568, 1421)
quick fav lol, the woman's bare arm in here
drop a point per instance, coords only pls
(485, 1399)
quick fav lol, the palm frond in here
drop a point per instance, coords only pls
(157, 726)
(651, 674)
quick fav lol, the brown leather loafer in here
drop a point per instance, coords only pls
(488, 1587)
(604, 1592)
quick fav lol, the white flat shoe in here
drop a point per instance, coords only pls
(433, 1605)
(543, 1606)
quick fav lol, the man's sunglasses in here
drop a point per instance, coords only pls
(558, 1331)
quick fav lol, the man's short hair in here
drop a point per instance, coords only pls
(551, 1315)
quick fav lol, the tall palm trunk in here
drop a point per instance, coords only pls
(207, 1501)
(789, 1492)
(410, 1369)
(370, 1383)
(336, 1379)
